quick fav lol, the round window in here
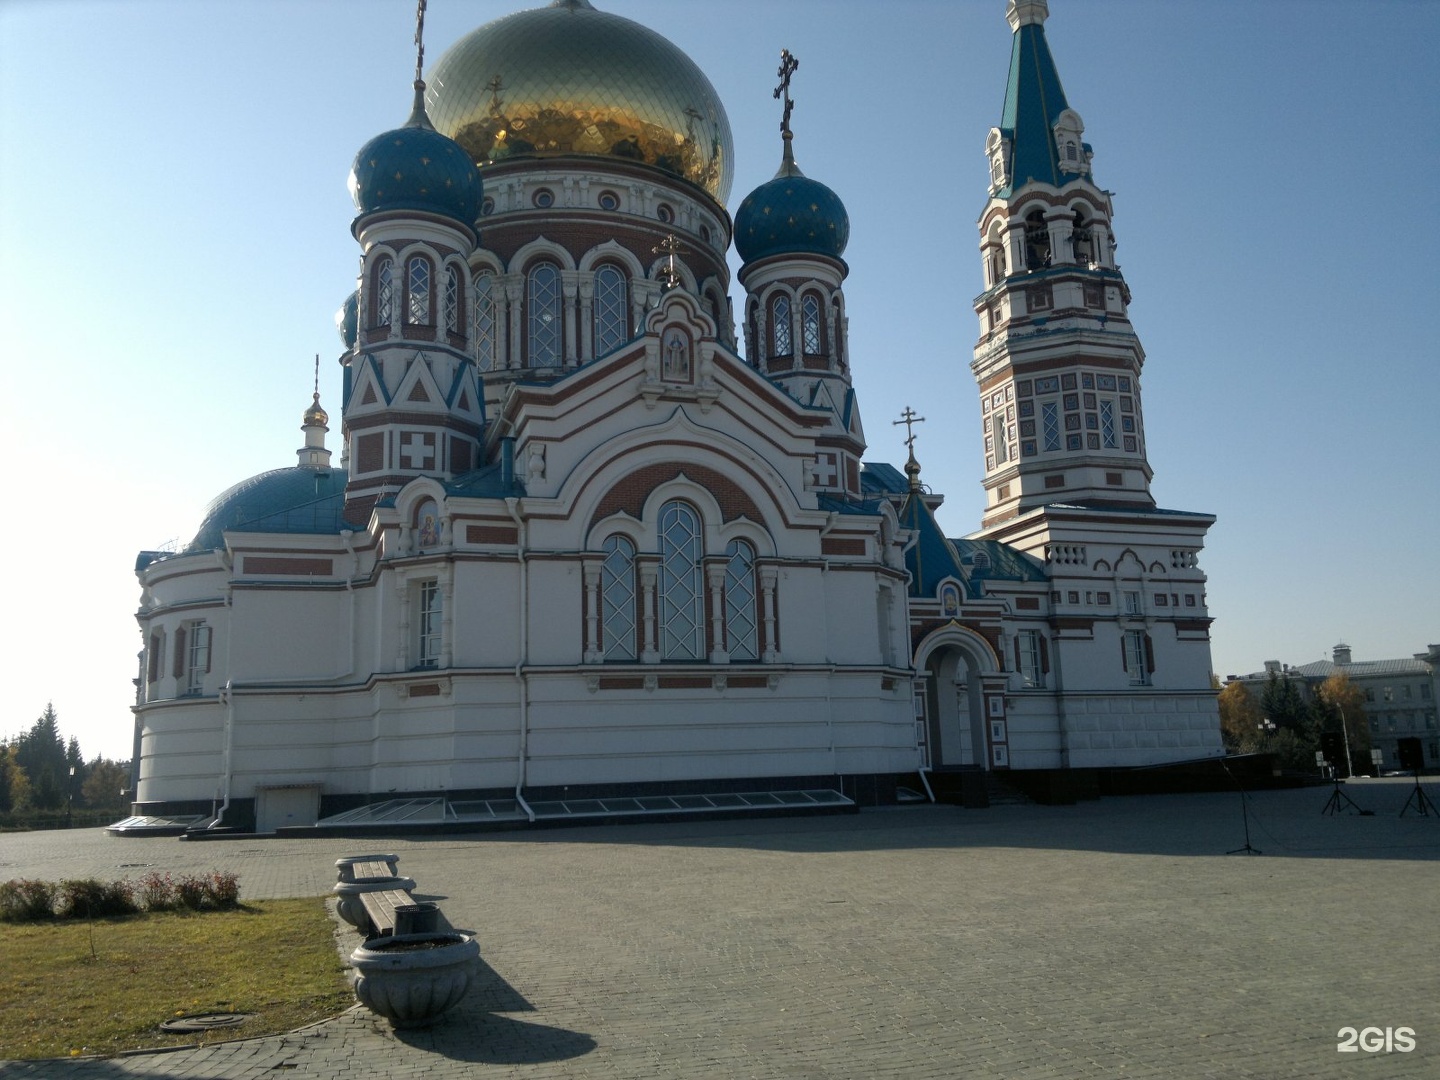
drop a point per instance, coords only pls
(705, 233)
(665, 214)
(544, 198)
(487, 207)
(609, 201)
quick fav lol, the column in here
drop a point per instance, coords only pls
(649, 574)
(769, 576)
(592, 613)
(715, 578)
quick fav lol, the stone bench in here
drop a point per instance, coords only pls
(366, 867)
(391, 912)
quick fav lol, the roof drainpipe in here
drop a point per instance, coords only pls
(227, 694)
(512, 504)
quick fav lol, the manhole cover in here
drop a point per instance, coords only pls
(182, 1025)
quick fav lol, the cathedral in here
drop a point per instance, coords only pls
(600, 541)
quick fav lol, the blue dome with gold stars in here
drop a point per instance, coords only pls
(416, 168)
(791, 215)
(347, 320)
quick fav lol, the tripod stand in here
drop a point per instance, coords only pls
(1340, 801)
(1248, 849)
(1423, 803)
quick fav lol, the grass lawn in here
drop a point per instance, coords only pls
(75, 987)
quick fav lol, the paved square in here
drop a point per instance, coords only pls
(1110, 939)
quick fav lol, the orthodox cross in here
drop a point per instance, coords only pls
(669, 247)
(419, 39)
(788, 64)
(317, 376)
(495, 86)
(909, 419)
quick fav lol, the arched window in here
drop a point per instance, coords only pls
(1037, 241)
(485, 320)
(810, 325)
(384, 290)
(682, 600)
(780, 336)
(611, 310)
(740, 623)
(417, 307)
(617, 599)
(542, 308)
(452, 300)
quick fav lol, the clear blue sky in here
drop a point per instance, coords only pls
(174, 240)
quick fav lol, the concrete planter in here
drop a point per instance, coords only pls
(347, 894)
(414, 979)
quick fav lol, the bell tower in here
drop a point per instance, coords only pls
(1057, 361)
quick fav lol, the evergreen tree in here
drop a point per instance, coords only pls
(1282, 704)
(7, 801)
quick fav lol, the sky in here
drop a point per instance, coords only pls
(174, 241)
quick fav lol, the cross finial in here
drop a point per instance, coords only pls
(912, 467)
(669, 247)
(788, 64)
(419, 39)
(317, 376)
(909, 419)
(495, 85)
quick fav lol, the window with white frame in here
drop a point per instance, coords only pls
(1027, 648)
(197, 658)
(1137, 657)
(1050, 424)
(484, 320)
(681, 595)
(452, 300)
(1107, 423)
(542, 308)
(810, 325)
(780, 332)
(1132, 601)
(617, 599)
(611, 310)
(428, 624)
(384, 290)
(741, 635)
(417, 305)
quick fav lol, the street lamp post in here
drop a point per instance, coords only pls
(69, 796)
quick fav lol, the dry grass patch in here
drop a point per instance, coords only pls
(102, 987)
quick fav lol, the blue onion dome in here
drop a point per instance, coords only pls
(300, 499)
(791, 215)
(347, 320)
(416, 168)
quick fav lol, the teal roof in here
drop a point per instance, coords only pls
(347, 320)
(1034, 100)
(416, 168)
(485, 482)
(877, 477)
(990, 560)
(791, 215)
(300, 499)
(932, 558)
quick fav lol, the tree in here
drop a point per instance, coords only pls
(41, 748)
(18, 781)
(105, 781)
(1282, 704)
(1339, 705)
(1240, 719)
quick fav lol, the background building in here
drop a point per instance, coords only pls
(598, 543)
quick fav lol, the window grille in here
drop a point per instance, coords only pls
(485, 321)
(682, 629)
(780, 327)
(542, 298)
(452, 300)
(384, 291)
(611, 310)
(810, 325)
(740, 629)
(617, 599)
(417, 311)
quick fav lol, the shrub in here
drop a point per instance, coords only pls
(156, 892)
(224, 889)
(26, 901)
(194, 892)
(89, 898)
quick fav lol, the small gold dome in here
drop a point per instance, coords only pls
(315, 416)
(567, 79)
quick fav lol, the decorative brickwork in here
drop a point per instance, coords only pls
(834, 545)
(286, 567)
(630, 493)
(490, 534)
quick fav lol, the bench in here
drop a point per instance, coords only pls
(395, 911)
(361, 867)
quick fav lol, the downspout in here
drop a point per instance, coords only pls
(512, 504)
(1060, 704)
(229, 698)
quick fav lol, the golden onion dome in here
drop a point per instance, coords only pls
(567, 79)
(315, 416)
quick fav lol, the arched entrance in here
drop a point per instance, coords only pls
(957, 667)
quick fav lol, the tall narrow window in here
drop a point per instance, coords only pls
(682, 626)
(542, 306)
(452, 300)
(1107, 423)
(417, 306)
(810, 325)
(1132, 602)
(1027, 651)
(384, 291)
(1137, 657)
(1050, 425)
(997, 424)
(611, 310)
(485, 321)
(780, 333)
(617, 599)
(197, 657)
(1037, 241)
(427, 651)
(740, 635)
